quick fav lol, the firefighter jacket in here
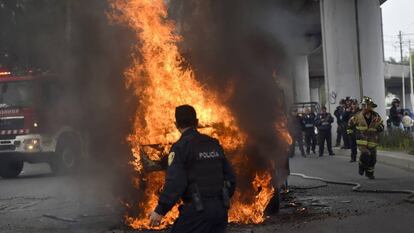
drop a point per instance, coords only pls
(323, 121)
(351, 128)
(367, 130)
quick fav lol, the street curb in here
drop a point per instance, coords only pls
(395, 159)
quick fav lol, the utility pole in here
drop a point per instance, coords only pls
(403, 89)
(401, 46)
(411, 76)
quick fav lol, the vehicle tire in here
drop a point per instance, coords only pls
(66, 158)
(274, 204)
(10, 167)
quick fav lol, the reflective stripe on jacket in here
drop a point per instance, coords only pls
(367, 135)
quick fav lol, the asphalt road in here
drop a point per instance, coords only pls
(36, 202)
(39, 202)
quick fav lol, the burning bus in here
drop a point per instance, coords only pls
(35, 126)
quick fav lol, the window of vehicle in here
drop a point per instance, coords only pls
(16, 94)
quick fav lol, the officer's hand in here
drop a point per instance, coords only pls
(155, 219)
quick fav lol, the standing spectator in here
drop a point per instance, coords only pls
(309, 125)
(323, 122)
(296, 128)
(351, 132)
(395, 114)
(407, 122)
(338, 114)
(346, 115)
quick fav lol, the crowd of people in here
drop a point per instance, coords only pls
(399, 118)
(303, 126)
(358, 127)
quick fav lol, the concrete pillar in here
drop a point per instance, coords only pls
(301, 75)
(353, 51)
(371, 52)
(338, 19)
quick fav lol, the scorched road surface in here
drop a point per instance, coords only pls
(38, 202)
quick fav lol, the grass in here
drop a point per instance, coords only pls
(397, 140)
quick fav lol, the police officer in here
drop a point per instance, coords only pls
(323, 123)
(199, 174)
(296, 130)
(368, 125)
(346, 115)
(351, 131)
(338, 114)
(309, 125)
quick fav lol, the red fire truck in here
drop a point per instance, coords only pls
(35, 125)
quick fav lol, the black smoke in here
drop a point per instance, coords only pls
(248, 46)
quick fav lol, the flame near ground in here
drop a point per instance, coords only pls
(161, 83)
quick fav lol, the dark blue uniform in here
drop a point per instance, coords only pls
(346, 115)
(339, 131)
(296, 128)
(197, 162)
(352, 138)
(323, 122)
(309, 126)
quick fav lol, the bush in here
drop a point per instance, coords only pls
(397, 140)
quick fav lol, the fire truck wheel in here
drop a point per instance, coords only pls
(10, 167)
(67, 156)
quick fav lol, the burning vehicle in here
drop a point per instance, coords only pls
(162, 79)
(34, 126)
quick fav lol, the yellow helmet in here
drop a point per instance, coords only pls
(368, 101)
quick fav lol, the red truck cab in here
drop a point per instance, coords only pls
(34, 126)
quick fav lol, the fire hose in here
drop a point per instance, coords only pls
(357, 187)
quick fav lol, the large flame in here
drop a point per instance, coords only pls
(159, 79)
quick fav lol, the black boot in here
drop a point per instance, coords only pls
(361, 170)
(353, 158)
(370, 175)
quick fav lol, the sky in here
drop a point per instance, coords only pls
(398, 15)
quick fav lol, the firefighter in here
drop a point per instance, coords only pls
(309, 126)
(324, 122)
(368, 125)
(296, 128)
(199, 174)
(351, 131)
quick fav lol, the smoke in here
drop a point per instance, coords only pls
(76, 41)
(103, 108)
(233, 45)
(248, 46)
